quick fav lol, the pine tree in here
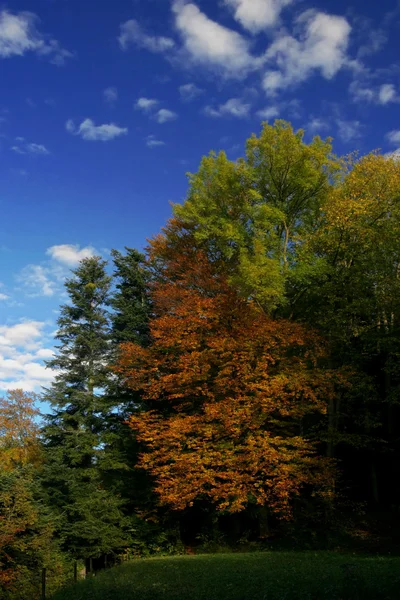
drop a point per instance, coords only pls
(90, 517)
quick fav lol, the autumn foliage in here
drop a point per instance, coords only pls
(228, 390)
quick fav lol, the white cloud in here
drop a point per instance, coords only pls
(234, 107)
(23, 334)
(110, 95)
(69, 254)
(387, 93)
(153, 142)
(44, 353)
(383, 95)
(321, 47)
(19, 35)
(21, 356)
(131, 33)
(164, 115)
(146, 104)
(4, 296)
(348, 130)
(270, 112)
(256, 15)
(36, 281)
(189, 91)
(21, 146)
(95, 133)
(317, 125)
(47, 279)
(394, 136)
(209, 43)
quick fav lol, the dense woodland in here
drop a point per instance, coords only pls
(235, 386)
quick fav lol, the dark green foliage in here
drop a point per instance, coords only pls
(89, 517)
(130, 302)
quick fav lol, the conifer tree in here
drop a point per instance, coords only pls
(130, 302)
(90, 517)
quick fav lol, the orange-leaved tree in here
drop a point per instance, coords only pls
(228, 389)
(25, 538)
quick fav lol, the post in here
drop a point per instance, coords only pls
(75, 571)
(43, 584)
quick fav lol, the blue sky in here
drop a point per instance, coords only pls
(104, 106)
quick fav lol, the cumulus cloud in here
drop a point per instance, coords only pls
(21, 354)
(131, 33)
(21, 146)
(234, 107)
(24, 334)
(19, 35)
(153, 142)
(3, 296)
(88, 131)
(321, 47)
(189, 91)
(110, 95)
(164, 115)
(69, 254)
(146, 104)
(211, 44)
(256, 15)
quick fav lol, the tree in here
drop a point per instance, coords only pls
(26, 528)
(355, 303)
(130, 301)
(90, 517)
(19, 430)
(251, 216)
(229, 390)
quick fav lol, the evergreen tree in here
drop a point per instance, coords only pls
(131, 304)
(90, 518)
(129, 323)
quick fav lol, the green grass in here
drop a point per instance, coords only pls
(253, 576)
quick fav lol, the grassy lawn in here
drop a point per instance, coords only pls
(253, 576)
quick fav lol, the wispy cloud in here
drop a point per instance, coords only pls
(146, 104)
(131, 33)
(21, 146)
(48, 277)
(234, 107)
(348, 130)
(394, 136)
(269, 112)
(153, 142)
(88, 131)
(317, 125)
(383, 94)
(189, 91)
(110, 95)
(19, 35)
